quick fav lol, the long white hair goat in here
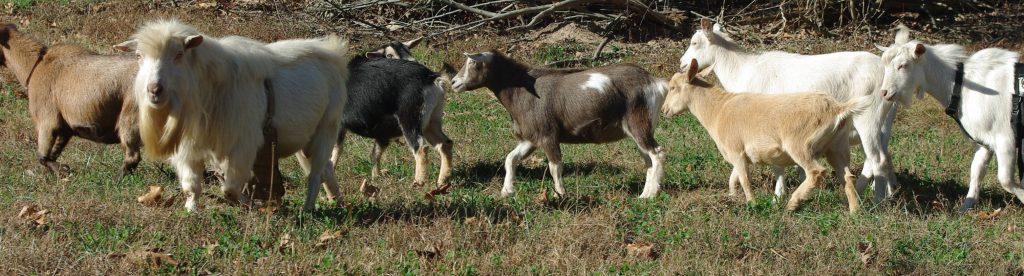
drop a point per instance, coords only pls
(205, 100)
(842, 75)
(911, 67)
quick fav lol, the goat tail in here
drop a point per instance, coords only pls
(338, 45)
(854, 107)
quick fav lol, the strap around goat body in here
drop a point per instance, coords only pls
(953, 109)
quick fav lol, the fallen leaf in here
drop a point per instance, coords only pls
(211, 249)
(640, 250)
(153, 197)
(284, 243)
(437, 191)
(867, 252)
(33, 214)
(982, 215)
(533, 161)
(153, 257)
(329, 236)
(542, 198)
(367, 189)
(936, 205)
(429, 253)
(475, 221)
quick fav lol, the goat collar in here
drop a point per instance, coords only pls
(42, 53)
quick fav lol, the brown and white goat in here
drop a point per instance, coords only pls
(550, 106)
(74, 92)
(773, 129)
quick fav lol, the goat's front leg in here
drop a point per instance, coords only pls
(554, 154)
(740, 169)
(734, 180)
(524, 148)
(978, 170)
(190, 173)
(46, 138)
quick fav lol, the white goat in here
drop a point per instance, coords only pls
(203, 99)
(842, 75)
(912, 67)
(779, 130)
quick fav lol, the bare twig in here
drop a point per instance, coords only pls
(601, 47)
(469, 8)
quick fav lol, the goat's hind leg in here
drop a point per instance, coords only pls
(554, 154)
(409, 122)
(435, 136)
(640, 127)
(814, 172)
(1006, 157)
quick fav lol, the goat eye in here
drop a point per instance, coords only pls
(391, 56)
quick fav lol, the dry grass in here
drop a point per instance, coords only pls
(95, 226)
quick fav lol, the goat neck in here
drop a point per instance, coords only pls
(22, 55)
(706, 102)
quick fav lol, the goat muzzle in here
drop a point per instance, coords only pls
(156, 92)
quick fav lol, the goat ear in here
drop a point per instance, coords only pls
(193, 41)
(692, 70)
(5, 34)
(881, 48)
(374, 54)
(902, 34)
(412, 43)
(919, 50)
(481, 57)
(705, 24)
(127, 46)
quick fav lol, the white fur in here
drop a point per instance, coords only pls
(843, 75)
(985, 103)
(218, 95)
(597, 81)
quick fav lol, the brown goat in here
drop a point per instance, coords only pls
(774, 129)
(74, 92)
(550, 106)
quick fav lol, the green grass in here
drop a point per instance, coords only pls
(693, 225)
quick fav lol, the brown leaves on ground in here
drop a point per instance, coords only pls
(285, 243)
(430, 252)
(152, 257)
(153, 197)
(443, 190)
(982, 215)
(543, 197)
(867, 252)
(641, 250)
(34, 215)
(328, 237)
(367, 189)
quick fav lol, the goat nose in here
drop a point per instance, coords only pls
(885, 93)
(155, 89)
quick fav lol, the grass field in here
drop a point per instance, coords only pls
(95, 225)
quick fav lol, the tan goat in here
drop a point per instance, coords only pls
(74, 92)
(773, 129)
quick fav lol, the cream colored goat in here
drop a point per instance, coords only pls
(774, 129)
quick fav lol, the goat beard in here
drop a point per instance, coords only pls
(161, 130)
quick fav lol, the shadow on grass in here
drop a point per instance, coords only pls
(929, 196)
(494, 210)
(479, 174)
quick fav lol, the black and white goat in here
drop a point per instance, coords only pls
(551, 106)
(393, 97)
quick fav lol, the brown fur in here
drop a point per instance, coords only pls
(548, 107)
(74, 92)
(775, 129)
